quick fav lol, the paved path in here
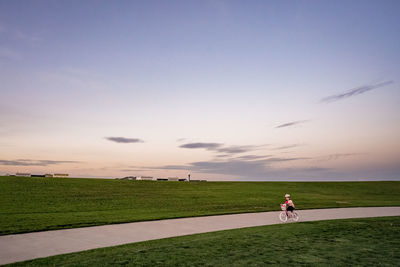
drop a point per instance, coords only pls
(20, 247)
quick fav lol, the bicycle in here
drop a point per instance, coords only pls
(290, 215)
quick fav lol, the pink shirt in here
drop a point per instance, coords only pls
(289, 202)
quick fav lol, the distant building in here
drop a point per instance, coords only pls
(151, 178)
(49, 175)
(129, 178)
(37, 175)
(145, 178)
(61, 175)
(23, 174)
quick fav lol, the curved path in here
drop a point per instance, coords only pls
(20, 247)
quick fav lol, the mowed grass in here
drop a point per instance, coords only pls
(354, 242)
(35, 204)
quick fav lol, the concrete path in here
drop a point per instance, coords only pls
(20, 247)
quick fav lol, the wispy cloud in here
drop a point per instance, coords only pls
(16, 34)
(221, 148)
(27, 37)
(253, 157)
(286, 147)
(29, 162)
(354, 92)
(236, 149)
(135, 170)
(270, 160)
(340, 155)
(2, 28)
(292, 123)
(9, 53)
(124, 140)
(249, 168)
(222, 155)
(208, 146)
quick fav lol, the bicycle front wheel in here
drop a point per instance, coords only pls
(283, 216)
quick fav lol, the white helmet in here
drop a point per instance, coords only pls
(287, 195)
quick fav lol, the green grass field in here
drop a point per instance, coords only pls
(35, 204)
(355, 242)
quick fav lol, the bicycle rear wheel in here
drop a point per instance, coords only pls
(296, 216)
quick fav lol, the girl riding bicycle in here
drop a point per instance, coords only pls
(288, 210)
(289, 204)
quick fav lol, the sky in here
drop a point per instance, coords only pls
(224, 90)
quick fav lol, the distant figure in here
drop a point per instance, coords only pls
(289, 204)
(189, 177)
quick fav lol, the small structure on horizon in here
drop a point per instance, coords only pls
(23, 174)
(133, 178)
(151, 178)
(144, 178)
(61, 175)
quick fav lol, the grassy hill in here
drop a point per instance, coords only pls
(35, 204)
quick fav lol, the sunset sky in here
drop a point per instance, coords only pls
(225, 90)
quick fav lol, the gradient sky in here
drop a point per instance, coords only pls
(226, 90)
